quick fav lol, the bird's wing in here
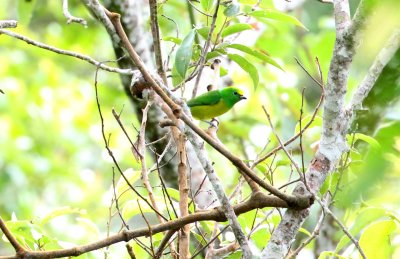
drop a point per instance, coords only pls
(209, 98)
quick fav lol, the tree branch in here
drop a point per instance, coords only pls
(68, 53)
(156, 40)
(257, 200)
(384, 56)
(8, 24)
(335, 125)
(18, 248)
(71, 18)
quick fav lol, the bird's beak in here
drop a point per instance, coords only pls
(242, 97)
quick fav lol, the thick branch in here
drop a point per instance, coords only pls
(258, 200)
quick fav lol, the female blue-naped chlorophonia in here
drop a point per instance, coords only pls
(215, 103)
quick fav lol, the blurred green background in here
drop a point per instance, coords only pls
(53, 161)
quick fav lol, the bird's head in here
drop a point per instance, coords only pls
(232, 95)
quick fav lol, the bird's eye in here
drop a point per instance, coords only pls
(235, 93)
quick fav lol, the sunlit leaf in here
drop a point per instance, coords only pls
(258, 54)
(368, 139)
(207, 4)
(246, 66)
(60, 212)
(305, 231)
(203, 32)
(199, 238)
(184, 54)
(235, 28)
(277, 15)
(375, 240)
(173, 39)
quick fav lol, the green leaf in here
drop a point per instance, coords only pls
(199, 238)
(184, 54)
(25, 232)
(246, 66)
(173, 39)
(203, 32)
(235, 28)
(207, 4)
(176, 77)
(305, 231)
(258, 54)
(60, 212)
(375, 240)
(370, 140)
(232, 10)
(215, 53)
(276, 15)
(173, 193)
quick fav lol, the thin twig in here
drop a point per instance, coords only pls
(203, 54)
(342, 226)
(155, 31)
(150, 231)
(164, 242)
(111, 154)
(321, 84)
(301, 137)
(276, 149)
(209, 242)
(71, 18)
(67, 53)
(116, 200)
(283, 147)
(117, 117)
(197, 9)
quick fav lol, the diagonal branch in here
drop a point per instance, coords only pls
(384, 56)
(67, 53)
(17, 246)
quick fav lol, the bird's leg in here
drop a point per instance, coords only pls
(213, 123)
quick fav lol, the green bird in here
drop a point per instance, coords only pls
(215, 103)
